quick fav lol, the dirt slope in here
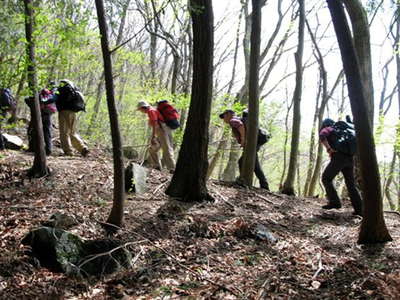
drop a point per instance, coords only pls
(191, 251)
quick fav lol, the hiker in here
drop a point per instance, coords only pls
(70, 101)
(238, 127)
(47, 109)
(7, 105)
(171, 119)
(340, 145)
(159, 138)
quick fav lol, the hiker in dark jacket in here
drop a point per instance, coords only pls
(7, 105)
(340, 162)
(67, 111)
(239, 132)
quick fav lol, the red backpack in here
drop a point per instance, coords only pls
(169, 114)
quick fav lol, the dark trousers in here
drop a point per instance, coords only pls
(257, 170)
(341, 163)
(46, 123)
(2, 142)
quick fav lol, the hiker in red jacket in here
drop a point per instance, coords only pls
(159, 137)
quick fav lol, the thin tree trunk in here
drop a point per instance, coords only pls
(117, 211)
(39, 168)
(96, 108)
(288, 186)
(249, 155)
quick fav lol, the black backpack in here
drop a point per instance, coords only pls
(70, 98)
(344, 138)
(7, 101)
(263, 136)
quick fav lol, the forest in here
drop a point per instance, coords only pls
(199, 149)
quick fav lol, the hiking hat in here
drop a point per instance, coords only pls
(142, 104)
(327, 122)
(221, 116)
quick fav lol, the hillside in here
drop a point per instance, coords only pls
(192, 251)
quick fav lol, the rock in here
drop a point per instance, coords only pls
(61, 251)
(130, 152)
(104, 257)
(56, 249)
(62, 221)
(261, 232)
(13, 142)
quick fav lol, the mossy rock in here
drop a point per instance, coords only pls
(104, 257)
(56, 249)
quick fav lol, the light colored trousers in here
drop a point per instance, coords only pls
(163, 134)
(68, 135)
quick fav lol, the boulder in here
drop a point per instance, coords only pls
(13, 142)
(104, 257)
(56, 249)
(61, 251)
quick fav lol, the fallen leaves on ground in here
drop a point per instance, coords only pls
(190, 250)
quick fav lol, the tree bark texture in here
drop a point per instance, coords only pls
(249, 155)
(361, 38)
(373, 227)
(116, 215)
(189, 180)
(39, 168)
(288, 186)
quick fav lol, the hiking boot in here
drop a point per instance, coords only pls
(85, 152)
(264, 186)
(332, 206)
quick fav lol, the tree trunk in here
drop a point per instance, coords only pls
(116, 215)
(288, 186)
(39, 168)
(96, 108)
(373, 227)
(189, 180)
(249, 155)
(361, 38)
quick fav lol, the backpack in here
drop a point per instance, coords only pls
(7, 101)
(47, 104)
(263, 136)
(345, 138)
(69, 97)
(169, 113)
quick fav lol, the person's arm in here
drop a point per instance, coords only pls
(242, 135)
(328, 147)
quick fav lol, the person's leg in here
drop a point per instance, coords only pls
(330, 172)
(168, 151)
(168, 132)
(154, 158)
(348, 174)
(260, 174)
(76, 140)
(46, 122)
(2, 143)
(64, 132)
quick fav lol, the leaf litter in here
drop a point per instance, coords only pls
(220, 250)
